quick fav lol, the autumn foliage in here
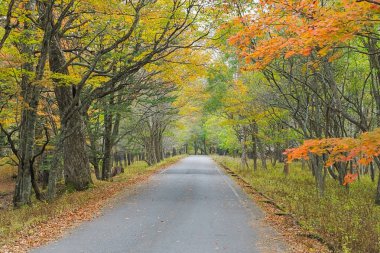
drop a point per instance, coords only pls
(293, 27)
(360, 151)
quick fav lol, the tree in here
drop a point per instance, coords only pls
(363, 150)
(300, 47)
(87, 63)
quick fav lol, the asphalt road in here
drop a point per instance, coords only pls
(192, 207)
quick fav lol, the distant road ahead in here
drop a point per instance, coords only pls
(192, 207)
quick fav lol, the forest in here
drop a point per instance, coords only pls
(285, 93)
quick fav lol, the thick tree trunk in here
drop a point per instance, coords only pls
(75, 157)
(150, 150)
(23, 189)
(54, 171)
(30, 93)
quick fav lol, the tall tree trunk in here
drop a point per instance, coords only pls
(22, 194)
(374, 59)
(243, 142)
(377, 196)
(150, 151)
(75, 157)
(372, 172)
(254, 144)
(317, 165)
(156, 136)
(205, 145)
(156, 144)
(129, 158)
(55, 170)
(94, 154)
(263, 156)
(30, 92)
(107, 140)
(93, 137)
(116, 123)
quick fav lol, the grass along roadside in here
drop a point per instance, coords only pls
(36, 225)
(350, 222)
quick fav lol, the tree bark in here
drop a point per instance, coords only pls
(317, 165)
(262, 154)
(54, 171)
(75, 157)
(30, 93)
(377, 196)
(254, 145)
(94, 153)
(107, 140)
(243, 141)
(22, 194)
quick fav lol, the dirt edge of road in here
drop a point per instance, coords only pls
(298, 239)
(56, 227)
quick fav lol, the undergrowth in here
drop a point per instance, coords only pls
(348, 220)
(14, 221)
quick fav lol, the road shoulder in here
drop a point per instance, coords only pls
(284, 224)
(95, 202)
